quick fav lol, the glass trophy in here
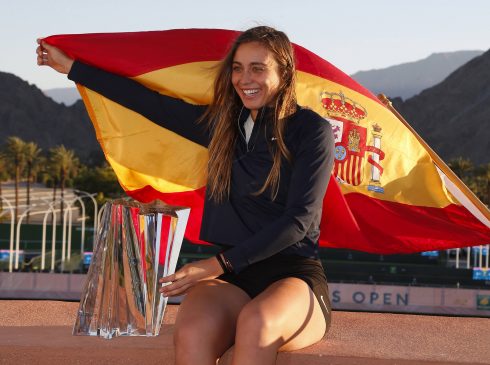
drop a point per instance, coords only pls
(136, 244)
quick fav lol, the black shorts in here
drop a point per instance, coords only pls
(254, 279)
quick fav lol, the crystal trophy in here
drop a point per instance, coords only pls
(136, 244)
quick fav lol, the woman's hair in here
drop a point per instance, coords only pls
(224, 111)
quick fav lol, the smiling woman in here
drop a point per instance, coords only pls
(255, 76)
(268, 157)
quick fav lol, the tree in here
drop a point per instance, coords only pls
(462, 167)
(476, 178)
(14, 153)
(101, 180)
(32, 154)
(481, 183)
(64, 164)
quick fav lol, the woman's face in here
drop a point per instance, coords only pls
(255, 76)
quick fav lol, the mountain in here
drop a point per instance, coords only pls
(454, 116)
(64, 95)
(408, 79)
(27, 113)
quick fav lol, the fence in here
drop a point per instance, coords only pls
(45, 207)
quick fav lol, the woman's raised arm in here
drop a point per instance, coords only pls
(171, 113)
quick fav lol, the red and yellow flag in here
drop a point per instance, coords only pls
(389, 193)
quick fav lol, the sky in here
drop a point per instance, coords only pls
(353, 35)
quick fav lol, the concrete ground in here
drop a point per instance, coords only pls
(39, 332)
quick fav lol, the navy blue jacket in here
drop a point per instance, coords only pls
(249, 227)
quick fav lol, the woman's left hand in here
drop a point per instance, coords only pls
(53, 57)
(189, 275)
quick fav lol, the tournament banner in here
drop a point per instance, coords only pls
(388, 192)
(410, 299)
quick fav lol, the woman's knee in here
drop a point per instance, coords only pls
(256, 325)
(206, 317)
(188, 334)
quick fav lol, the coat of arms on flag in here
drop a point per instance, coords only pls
(352, 142)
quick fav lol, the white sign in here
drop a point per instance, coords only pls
(388, 298)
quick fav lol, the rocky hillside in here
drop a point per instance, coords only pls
(454, 116)
(27, 113)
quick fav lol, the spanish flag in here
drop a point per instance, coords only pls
(389, 192)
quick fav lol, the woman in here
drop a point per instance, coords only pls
(269, 165)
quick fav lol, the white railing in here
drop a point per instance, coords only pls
(475, 252)
(47, 208)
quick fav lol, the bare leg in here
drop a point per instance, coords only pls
(206, 322)
(285, 317)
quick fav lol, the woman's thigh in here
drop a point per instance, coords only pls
(289, 310)
(208, 315)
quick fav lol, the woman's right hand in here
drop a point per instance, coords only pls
(53, 57)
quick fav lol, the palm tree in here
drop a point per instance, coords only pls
(461, 167)
(64, 164)
(477, 178)
(14, 153)
(32, 157)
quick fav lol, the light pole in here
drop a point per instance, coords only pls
(53, 237)
(96, 210)
(82, 204)
(17, 238)
(12, 225)
(99, 216)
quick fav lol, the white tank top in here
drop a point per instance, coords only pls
(248, 126)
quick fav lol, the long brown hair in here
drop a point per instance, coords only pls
(226, 106)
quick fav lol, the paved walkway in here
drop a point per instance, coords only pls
(39, 332)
